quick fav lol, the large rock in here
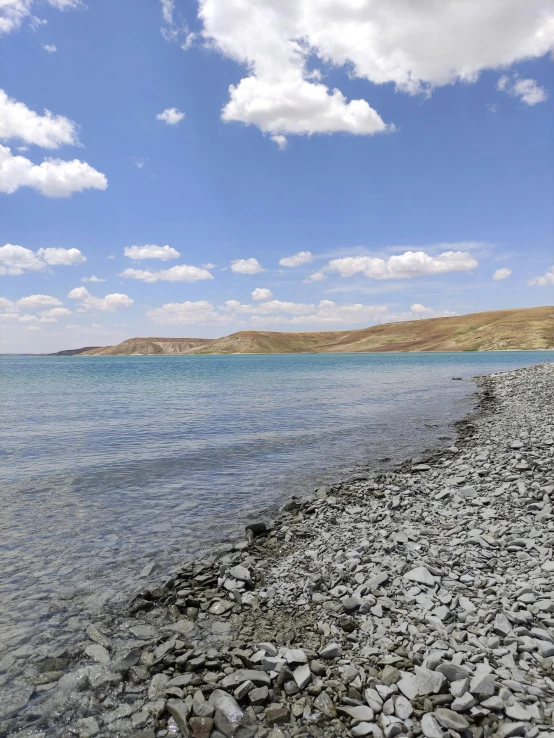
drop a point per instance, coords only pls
(229, 716)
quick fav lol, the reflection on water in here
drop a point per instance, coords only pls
(113, 462)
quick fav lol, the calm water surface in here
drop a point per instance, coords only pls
(112, 463)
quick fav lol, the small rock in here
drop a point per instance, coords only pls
(276, 714)
(98, 653)
(430, 726)
(331, 651)
(421, 575)
(179, 712)
(201, 727)
(450, 719)
(302, 675)
(428, 682)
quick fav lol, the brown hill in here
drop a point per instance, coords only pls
(518, 329)
(151, 346)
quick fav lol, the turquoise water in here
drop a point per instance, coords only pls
(111, 463)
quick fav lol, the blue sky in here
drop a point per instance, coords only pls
(405, 153)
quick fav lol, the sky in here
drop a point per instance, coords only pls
(199, 167)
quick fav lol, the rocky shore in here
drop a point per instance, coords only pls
(413, 602)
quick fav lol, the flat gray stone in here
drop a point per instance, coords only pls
(427, 681)
(430, 726)
(450, 719)
(421, 575)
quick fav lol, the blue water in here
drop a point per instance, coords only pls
(114, 462)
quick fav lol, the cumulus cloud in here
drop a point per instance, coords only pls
(48, 131)
(503, 273)
(53, 177)
(267, 308)
(246, 266)
(302, 257)
(416, 46)
(151, 251)
(112, 302)
(277, 312)
(49, 48)
(34, 302)
(92, 279)
(527, 90)
(181, 273)
(16, 260)
(418, 309)
(544, 280)
(180, 313)
(262, 293)
(171, 116)
(293, 105)
(401, 266)
(316, 277)
(59, 256)
(14, 12)
(58, 312)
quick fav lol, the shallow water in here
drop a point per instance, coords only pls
(111, 463)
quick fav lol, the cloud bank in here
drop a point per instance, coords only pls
(286, 46)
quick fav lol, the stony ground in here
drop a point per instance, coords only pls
(418, 601)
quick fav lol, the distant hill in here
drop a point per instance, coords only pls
(75, 352)
(518, 329)
(151, 346)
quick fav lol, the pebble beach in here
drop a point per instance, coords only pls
(413, 601)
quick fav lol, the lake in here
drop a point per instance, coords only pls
(112, 464)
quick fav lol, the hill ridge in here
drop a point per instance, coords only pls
(493, 330)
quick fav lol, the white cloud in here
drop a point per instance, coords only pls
(419, 310)
(92, 279)
(151, 251)
(276, 312)
(17, 259)
(14, 12)
(545, 280)
(503, 273)
(167, 11)
(402, 266)
(262, 293)
(179, 313)
(16, 317)
(48, 131)
(49, 48)
(416, 46)
(209, 265)
(33, 328)
(171, 116)
(59, 257)
(316, 277)
(112, 302)
(246, 266)
(34, 302)
(527, 90)
(292, 105)
(302, 257)
(181, 273)
(53, 178)
(267, 308)
(58, 312)
(5, 303)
